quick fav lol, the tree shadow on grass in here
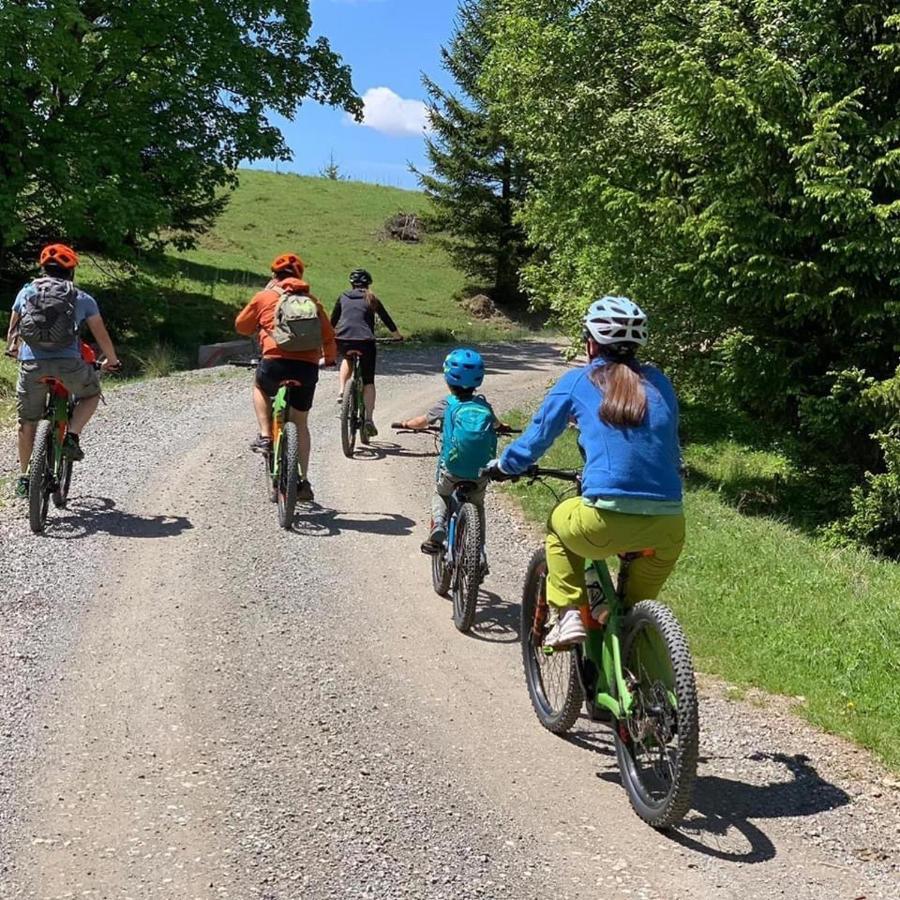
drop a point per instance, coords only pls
(85, 516)
(759, 474)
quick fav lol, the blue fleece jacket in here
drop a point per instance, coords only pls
(641, 462)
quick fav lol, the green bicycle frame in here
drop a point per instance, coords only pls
(603, 648)
(58, 412)
(279, 415)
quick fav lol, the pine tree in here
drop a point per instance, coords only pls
(476, 178)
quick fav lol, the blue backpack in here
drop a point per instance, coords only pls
(469, 437)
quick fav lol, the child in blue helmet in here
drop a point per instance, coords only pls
(469, 439)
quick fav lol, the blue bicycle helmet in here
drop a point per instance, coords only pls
(464, 368)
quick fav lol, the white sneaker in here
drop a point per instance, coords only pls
(568, 630)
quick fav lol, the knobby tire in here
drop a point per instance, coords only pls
(556, 674)
(349, 420)
(288, 476)
(467, 555)
(41, 473)
(654, 649)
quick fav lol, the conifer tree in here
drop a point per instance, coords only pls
(476, 178)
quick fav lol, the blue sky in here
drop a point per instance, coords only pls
(388, 44)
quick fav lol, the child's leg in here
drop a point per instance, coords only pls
(443, 488)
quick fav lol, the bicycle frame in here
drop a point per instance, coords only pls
(58, 411)
(280, 411)
(603, 647)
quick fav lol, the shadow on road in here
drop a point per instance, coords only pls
(381, 449)
(724, 808)
(319, 521)
(85, 516)
(496, 620)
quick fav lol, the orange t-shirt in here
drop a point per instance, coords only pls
(259, 315)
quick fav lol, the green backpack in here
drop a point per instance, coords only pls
(297, 326)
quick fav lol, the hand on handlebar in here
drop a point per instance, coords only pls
(111, 365)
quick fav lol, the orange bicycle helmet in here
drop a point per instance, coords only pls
(288, 261)
(59, 255)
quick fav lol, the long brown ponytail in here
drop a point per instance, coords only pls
(373, 301)
(624, 398)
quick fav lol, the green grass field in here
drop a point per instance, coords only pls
(765, 603)
(168, 305)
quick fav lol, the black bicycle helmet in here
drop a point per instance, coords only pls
(360, 278)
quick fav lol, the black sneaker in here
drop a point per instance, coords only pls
(305, 492)
(261, 444)
(22, 486)
(72, 448)
(435, 542)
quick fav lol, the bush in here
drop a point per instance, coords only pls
(875, 521)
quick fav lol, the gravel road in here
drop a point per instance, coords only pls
(196, 704)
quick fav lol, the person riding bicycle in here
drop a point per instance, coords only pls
(294, 334)
(627, 416)
(468, 440)
(353, 319)
(47, 316)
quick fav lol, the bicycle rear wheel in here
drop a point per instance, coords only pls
(552, 679)
(657, 746)
(288, 475)
(40, 484)
(467, 554)
(349, 420)
(364, 438)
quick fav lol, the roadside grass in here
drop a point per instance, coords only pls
(767, 604)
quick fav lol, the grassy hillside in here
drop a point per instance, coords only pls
(187, 298)
(766, 603)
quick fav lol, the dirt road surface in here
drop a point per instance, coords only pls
(196, 704)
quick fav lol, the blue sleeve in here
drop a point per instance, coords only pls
(548, 424)
(87, 306)
(19, 302)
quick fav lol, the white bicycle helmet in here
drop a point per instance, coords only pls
(616, 320)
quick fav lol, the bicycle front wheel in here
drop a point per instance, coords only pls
(349, 420)
(658, 744)
(288, 475)
(61, 494)
(40, 484)
(552, 678)
(467, 554)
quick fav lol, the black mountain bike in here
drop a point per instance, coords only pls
(353, 407)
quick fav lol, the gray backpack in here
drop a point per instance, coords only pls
(48, 320)
(297, 326)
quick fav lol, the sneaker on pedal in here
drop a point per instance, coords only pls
(22, 486)
(371, 430)
(305, 492)
(261, 444)
(435, 542)
(72, 448)
(568, 630)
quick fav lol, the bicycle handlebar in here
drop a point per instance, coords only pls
(535, 472)
(243, 364)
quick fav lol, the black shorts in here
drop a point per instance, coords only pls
(367, 360)
(272, 371)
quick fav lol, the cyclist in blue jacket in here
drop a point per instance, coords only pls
(627, 415)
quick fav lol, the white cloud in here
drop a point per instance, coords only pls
(388, 112)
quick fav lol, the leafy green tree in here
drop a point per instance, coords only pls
(123, 120)
(476, 177)
(736, 167)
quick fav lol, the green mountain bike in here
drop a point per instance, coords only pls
(634, 672)
(282, 462)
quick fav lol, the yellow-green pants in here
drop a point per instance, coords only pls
(576, 532)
